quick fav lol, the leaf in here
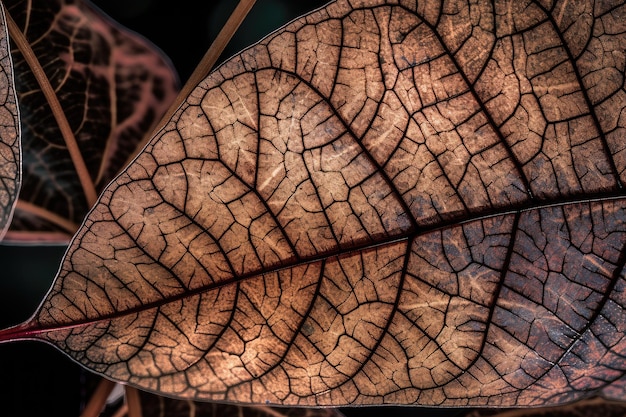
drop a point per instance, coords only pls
(153, 405)
(377, 204)
(10, 170)
(111, 86)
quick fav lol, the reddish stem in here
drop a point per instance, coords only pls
(25, 331)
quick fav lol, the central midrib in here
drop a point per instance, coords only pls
(32, 331)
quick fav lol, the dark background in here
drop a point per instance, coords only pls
(36, 379)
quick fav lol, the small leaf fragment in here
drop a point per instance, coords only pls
(10, 149)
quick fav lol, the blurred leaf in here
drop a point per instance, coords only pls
(112, 86)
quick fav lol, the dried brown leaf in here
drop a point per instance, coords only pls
(377, 204)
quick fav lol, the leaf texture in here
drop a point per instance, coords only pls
(112, 86)
(381, 203)
(10, 149)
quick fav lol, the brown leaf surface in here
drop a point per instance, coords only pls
(10, 158)
(377, 204)
(112, 86)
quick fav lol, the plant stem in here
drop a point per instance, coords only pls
(65, 224)
(215, 50)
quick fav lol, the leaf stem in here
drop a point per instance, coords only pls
(22, 44)
(215, 50)
(203, 69)
(24, 331)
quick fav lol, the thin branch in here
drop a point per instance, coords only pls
(47, 215)
(22, 44)
(28, 237)
(215, 50)
(203, 69)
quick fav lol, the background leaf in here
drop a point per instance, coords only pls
(112, 85)
(439, 266)
(10, 149)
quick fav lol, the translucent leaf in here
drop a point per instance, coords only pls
(377, 204)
